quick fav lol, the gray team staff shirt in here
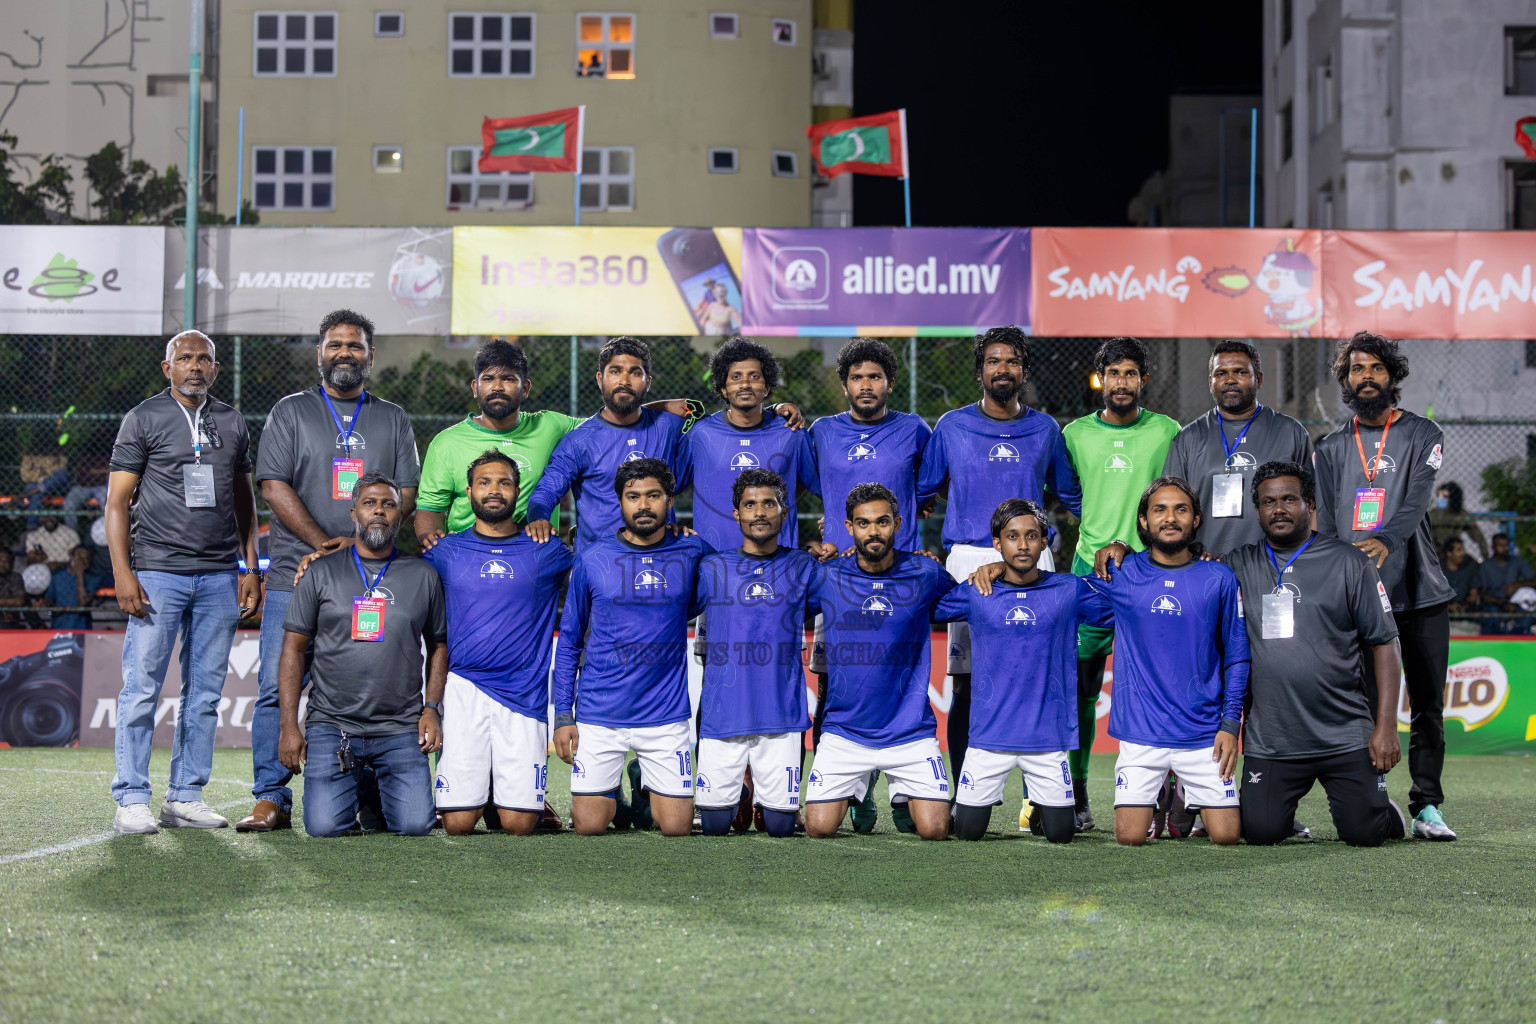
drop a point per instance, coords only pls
(155, 442)
(366, 687)
(1197, 455)
(1406, 471)
(297, 446)
(1306, 693)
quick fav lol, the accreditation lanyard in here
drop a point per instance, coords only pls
(1232, 448)
(345, 470)
(1279, 570)
(195, 425)
(368, 610)
(197, 487)
(1370, 502)
(1278, 610)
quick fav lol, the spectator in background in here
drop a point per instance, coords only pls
(1447, 519)
(13, 593)
(73, 585)
(1503, 573)
(90, 487)
(1461, 572)
(51, 542)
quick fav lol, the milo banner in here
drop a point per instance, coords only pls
(283, 280)
(1490, 698)
(610, 280)
(885, 281)
(81, 279)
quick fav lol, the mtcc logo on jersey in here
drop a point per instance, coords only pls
(1241, 460)
(442, 785)
(966, 782)
(1383, 464)
(744, 460)
(702, 785)
(1289, 588)
(523, 465)
(633, 455)
(496, 569)
(878, 604)
(650, 579)
(1118, 463)
(1003, 451)
(1120, 782)
(350, 443)
(1019, 615)
(578, 770)
(1166, 604)
(860, 451)
(757, 590)
(384, 592)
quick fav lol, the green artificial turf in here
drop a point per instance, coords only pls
(215, 926)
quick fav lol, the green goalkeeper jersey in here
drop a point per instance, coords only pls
(1115, 464)
(444, 482)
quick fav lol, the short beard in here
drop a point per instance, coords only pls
(1368, 408)
(493, 516)
(612, 399)
(1110, 403)
(378, 536)
(876, 410)
(1003, 392)
(485, 406)
(1172, 547)
(192, 392)
(344, 378)
(867, 556)
(1245, 402)
(646, 530)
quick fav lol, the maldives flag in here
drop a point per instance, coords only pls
(876, 144)
(538, 142)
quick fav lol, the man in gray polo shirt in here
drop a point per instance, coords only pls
(367, 610)
(315, 446)
(1218, 452)
(180, 514)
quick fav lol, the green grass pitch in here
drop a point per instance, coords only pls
(215, 926)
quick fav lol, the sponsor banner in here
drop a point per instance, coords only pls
(1430, 284)
(612, 280)
(1177, 283)
(284, 280)
(81, 279)
(863, 280)
(1490, 698)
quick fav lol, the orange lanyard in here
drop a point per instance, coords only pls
(1381, 449)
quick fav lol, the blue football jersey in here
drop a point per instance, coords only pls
(715, 451)
(1181, 652)
(886, 451)
(636, 602)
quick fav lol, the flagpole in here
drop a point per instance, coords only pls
(906, 188)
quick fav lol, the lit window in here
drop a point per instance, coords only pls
(294, 43)
(389, 24)
(470, 189)
(724, 26)
(490, 45)
(608, 178)
(722, 161)
(293, 178)
(786, 164)
(605, 45)
(388, 159)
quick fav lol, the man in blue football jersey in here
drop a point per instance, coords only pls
(877, 603)
(1023, 708)
(1181, 669)
(634, 591)
(981, 455)
(624, 430)
(501, 589)
(752, 708)
(740, 436)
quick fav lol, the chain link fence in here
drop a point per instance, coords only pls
(62, 398)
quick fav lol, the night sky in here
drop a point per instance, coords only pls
(1029, 113)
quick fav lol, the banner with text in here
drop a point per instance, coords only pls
(885, 281)
(1177, 283)
(81, 279)
(610, 280)
(283, 280)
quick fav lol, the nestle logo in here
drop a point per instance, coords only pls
(801, 274)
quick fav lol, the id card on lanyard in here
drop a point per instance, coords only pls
(197, 489)
(344, 470)
(1227, 486)
(1370, 502)
(1278, 609)
(368, 610)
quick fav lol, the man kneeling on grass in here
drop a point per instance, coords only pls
(366, 610)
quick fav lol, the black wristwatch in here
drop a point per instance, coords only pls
(435, 706)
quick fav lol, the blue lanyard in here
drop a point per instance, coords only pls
(1240, 434)
(1279, 572)
(346, 432)
(368, 590)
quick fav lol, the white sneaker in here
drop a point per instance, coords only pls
(134, 820)
(190, 814)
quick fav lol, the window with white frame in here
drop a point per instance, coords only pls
(293, 178)
(469, 188)
(783, 30)
(605, 45)
(724, 26)
(389, 24)
(608, 178)
(294, 43)
(722, 160)
(482, 45)
(786, 163)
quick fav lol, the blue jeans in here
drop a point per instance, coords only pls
(271, 778)
(331, 796)
(204, 609)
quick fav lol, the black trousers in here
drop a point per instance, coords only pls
(1357, 798)
(1425, 636)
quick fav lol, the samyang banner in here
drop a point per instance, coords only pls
(885, 281)
(81, 279)
(283, 280)
(608, 280)
(1177, 282)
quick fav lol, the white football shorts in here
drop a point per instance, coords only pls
(1046, 776)
(775, 762)
(665, 753)
(486, 744)
(1141, 771)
